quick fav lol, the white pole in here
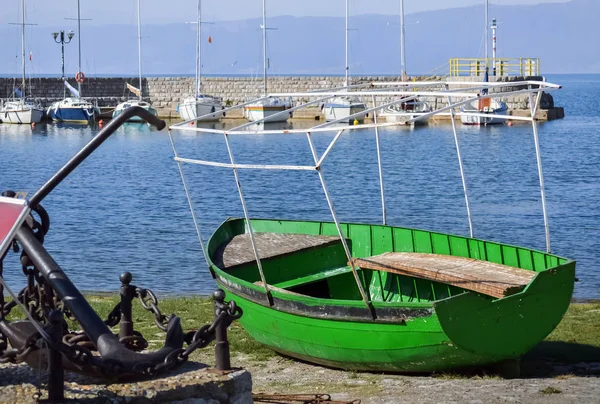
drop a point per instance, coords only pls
(460, 166)
(198, 47)
(339, 228)
(23, 45)
(533, 105)
(402, 43)
(248, 223)
(139, 48)
(79, 45)
(486, 34)
(347, 62)
(264, 27)
(494, 26)
(381, 187)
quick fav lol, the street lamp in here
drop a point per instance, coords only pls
(59, 37)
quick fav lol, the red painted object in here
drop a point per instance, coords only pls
(12, 214)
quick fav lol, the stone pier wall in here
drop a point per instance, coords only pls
(166, 93)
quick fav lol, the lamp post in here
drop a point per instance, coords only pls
(59, 37)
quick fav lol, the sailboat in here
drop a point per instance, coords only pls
(343, 106)
(21, 110)
(484, 111)
(406, 111)
(139, 102)
(200, 105)
(271, 109)
(74, 109)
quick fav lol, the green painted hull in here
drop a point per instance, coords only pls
(420, 326)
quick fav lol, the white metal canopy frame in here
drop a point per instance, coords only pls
(401, 92)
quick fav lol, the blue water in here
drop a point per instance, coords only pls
(125, 208)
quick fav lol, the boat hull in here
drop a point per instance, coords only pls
(83, 115)
(23, 116)
(490, 117)
(268, 113)
(416, 334)
(334, 112)
(212, 112)
(124, 105)
(403, 118)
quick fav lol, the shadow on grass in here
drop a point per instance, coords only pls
(557, 358)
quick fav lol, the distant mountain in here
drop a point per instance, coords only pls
(563, 35)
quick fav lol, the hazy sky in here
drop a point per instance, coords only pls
(53, 12)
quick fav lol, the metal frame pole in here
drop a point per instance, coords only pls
(460, 166)
(339, 228)
(534, 107)
(381, 187)
(250, 231)
(189, 198)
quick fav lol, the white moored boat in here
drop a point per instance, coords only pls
(484, 112)
(489, 110)
(139, 102)
(21, 110)
(343, 106)
(206, 107)
(271, 109)
(407, 113)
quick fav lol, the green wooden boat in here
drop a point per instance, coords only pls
(376, 297)
(318, 315)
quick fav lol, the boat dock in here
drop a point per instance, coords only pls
(166, 93)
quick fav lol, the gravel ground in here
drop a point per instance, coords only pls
(544, 380)
(547, 382)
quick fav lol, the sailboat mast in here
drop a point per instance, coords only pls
(198, 48)
(486, 34)
(79, 45)
(139, 48)
(347, 63)
(402, 43)
(264, 27)
(23, 45)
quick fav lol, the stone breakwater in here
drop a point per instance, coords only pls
(166, 93)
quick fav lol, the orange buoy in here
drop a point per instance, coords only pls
(33, 124)
(100, 122)
(510, 123)
(209, 39)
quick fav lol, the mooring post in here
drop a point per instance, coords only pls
(56, 372)
(127, 296)
(222, 358)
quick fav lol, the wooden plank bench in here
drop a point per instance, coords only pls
(238, 251)
(484, 277)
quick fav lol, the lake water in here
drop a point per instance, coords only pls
(125, 209)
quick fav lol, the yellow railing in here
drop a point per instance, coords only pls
(497, 66)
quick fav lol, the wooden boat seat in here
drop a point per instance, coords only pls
(238, 251)
(483, 277)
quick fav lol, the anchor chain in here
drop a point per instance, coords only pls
(150, 302)
(39, 299)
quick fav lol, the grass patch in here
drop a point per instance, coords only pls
(579, 325)
(550, 390)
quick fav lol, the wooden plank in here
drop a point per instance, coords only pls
(479, 276)
(238, 251)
